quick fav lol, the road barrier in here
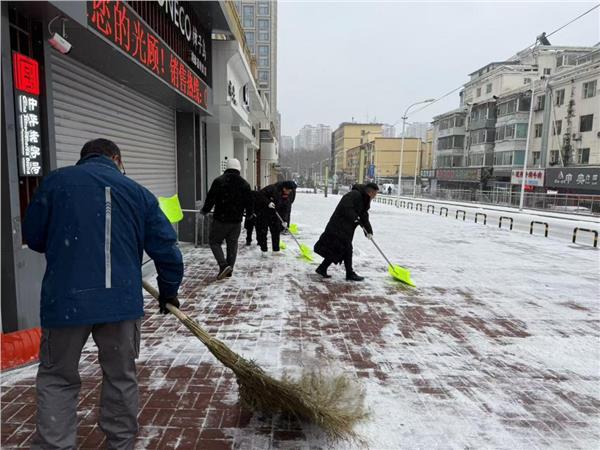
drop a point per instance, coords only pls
(539, 223)
(507, 218)
(419, 207)
(442, 210)
(462, 211)
(587, 231)
(432, 209)
(402, 204)
(409, 204)
(484, 217)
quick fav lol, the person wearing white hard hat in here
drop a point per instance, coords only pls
(230, 195)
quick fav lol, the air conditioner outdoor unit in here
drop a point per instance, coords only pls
(576, 136)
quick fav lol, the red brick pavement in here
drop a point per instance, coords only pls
(274, 311)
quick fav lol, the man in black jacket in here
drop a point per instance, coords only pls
(335, 244)
(231, 196)
(269, 201)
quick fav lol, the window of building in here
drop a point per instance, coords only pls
(540, 103)
(250, 38)
(524, 104)
(509, 131)
(507, 108)
(547, 71)
(263, 24)
(478, 92)
(488, 88)
(557, 128)
(583, 156)
(526, 80)
(560, 97)
(500, 133)
(586, 122)
(248, 16)
(554, 157)
(589, 89)
(503, 158)
(536, 158)
(459, 121)
(263, 36)
(538, 130)
(263, 8)
(263, 50)
(263, 75)
(263, 62)
(521, 131)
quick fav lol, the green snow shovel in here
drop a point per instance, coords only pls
(396, 271)
(293, 228)
(282, 245)
(305, 251)
(171, 207)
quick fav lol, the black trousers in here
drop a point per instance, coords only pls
(250, 226)
(266, 222)
(347, 262)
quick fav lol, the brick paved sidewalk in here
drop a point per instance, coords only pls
(443, 368)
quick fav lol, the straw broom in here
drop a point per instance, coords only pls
(335, 404)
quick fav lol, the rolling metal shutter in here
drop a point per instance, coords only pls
(89, 105)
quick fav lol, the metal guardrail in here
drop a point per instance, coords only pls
(565, 203)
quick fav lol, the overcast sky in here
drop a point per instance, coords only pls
(338, 60)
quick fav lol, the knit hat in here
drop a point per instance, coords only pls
(234, 163)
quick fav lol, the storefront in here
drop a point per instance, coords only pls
(138, 73)
(462, 178)
(573, 180)
(534, 180)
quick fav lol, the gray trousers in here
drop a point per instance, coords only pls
(58, 384)
(228, 232)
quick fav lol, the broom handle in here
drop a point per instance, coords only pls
(183, 317)
(291, 234)
(377, 247)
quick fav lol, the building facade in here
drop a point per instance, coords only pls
(313, 137)
(259, 23)
(178, 102)
(482, 144)
(287, 144)
(348, 136)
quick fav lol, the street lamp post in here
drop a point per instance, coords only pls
(527, 149)
(404, 117)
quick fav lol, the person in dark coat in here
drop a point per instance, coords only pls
(93, 224)
(231, 197)
(285, 208)
(335, 244)
(250, 221)
(269, 201)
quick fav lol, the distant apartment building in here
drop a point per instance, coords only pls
(482, 143)
(287, 144)
(417, 129)
(389, 131)
(312, 137)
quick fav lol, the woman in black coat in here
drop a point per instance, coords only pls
(335, 244)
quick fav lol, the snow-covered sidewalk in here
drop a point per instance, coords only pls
(496, 348)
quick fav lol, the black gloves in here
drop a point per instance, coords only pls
(162, 303)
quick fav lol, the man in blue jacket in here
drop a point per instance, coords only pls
(93, 225)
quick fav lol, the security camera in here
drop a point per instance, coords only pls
(60, 43)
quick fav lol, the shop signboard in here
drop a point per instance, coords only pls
(123, 28)
(534, 177)
(462, 174)
(27, 107)
(584, 178)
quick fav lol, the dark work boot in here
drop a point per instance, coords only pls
(225, 271)
(322, 271)
(353, 276)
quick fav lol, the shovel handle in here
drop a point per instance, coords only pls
(291, 234)
(172, 309)
(377, 247)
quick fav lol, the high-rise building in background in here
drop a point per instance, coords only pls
(416, 130)
(389, 131)
(312, 137)
(287, 144)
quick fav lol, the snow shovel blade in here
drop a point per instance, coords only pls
(401, 274)
(306, 252)
(282, 245)
(293, 228)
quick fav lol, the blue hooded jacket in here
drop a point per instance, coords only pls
(93, 224)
